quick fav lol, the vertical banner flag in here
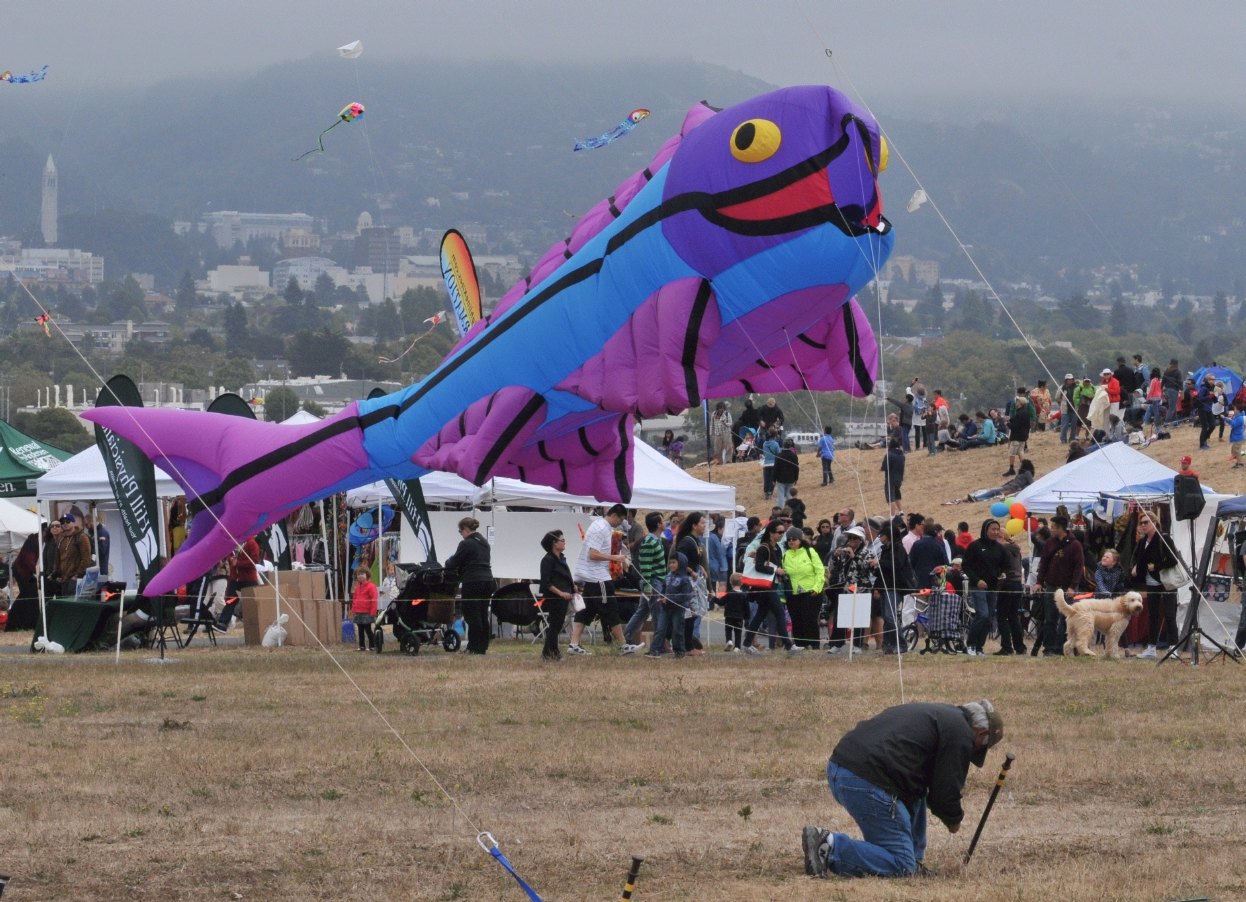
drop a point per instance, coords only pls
(276, 541)
(410, 497)
(133, 480)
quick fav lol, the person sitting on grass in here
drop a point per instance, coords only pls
(1116, 429)
(887, 772)
(1024, 477)
(983, 434)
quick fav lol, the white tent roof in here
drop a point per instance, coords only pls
(84, 478)
(16, 524)
(1112, 470)
(300, 418)
(657, 485)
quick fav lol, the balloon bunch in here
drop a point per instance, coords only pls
(1015, 510)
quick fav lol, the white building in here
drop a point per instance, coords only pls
(306, 269)
(68, 268)
(47, 218)
(237, 279)
(229, 226)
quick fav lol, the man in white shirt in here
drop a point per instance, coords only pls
(592, 574)
(917, 529)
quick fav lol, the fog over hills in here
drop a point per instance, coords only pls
(1044, 189)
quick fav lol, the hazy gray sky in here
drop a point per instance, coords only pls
(1194, 50)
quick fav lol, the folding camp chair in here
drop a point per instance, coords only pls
(163, 613)
(201, 617)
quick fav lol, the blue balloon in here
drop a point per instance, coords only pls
(999, 509)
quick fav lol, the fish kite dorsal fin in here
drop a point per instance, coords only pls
(594, 221)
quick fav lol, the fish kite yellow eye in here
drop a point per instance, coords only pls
(755, 140)
(883, 154)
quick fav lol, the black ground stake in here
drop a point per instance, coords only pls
(999, 782)
(630, 886)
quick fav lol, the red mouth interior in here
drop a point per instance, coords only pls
(809, 193)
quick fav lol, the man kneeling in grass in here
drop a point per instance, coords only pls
(886, 772)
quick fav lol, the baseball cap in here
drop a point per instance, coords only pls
(67, 518)
(876, 523)
(1186, 460)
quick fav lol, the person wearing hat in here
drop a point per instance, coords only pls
(850, 570)
(888, 772)
(1114, 389)
(73, 555)
(1084, 396)
(1186, 460)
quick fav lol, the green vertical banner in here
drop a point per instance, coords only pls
(410, 497)
(133, 480)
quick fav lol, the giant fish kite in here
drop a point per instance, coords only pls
(726, 266)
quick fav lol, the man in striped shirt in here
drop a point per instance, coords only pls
(651, 561)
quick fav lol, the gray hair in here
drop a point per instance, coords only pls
(977, 713)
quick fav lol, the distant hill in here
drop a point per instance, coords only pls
(1043, 194)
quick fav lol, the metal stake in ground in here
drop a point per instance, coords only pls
(999, 782)
(631, 879)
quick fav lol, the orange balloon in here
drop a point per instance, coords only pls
(1017, 511)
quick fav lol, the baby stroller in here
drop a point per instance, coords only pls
(944, 619)
(423, 612)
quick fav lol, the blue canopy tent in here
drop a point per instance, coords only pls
(1232, 381)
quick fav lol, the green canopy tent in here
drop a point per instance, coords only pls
(23, 460)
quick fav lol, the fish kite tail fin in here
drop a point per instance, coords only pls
(239, 475)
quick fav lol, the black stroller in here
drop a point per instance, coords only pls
(515, 605)
(423, 613)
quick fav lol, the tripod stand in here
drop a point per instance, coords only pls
(1193, 635)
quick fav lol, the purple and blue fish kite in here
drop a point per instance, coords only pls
(727, 266)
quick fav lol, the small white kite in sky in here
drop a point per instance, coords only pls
(351, 51)
(919, 197)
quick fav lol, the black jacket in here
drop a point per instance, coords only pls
(1171, 380)
(906, 411)
(556, 573)
(926, 554)
(1125, 376)
(894, 570)
(984, 561)
(1150, 557)
(786, 467)
(893, 468)
(471, 560)
(913, 751)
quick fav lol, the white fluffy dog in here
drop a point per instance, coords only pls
(1109, 616)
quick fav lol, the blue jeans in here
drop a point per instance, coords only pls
(1068, 424)
(894, 834)
(983, 604)
(783, 495)
(1170, 401)
(891, 617)
(648, 607)
(668, 625)
(1152, 414)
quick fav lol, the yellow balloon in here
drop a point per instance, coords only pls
(1014, 526)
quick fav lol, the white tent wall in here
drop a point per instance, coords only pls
(514, 537)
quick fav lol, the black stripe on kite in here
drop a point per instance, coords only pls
(691, 334)
(509, 434)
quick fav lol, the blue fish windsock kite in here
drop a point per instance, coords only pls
(727, 266)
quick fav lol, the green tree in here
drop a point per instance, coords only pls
(235, 326)
(975, 315)
(1220, 307)
(56, 426)
(1079, 312)
(233, 374)
(929, 309)
(317, 353)
(186, 296)
(280, 403)
(293, 294)
(315, 409)
(1119, 317)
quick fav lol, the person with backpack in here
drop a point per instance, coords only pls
(786, 470)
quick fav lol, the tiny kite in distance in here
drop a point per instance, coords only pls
(350, 51)
(633, 118)
(42, 319)
(919, 197)
(12, 79)
(435, 319)
(349, 113)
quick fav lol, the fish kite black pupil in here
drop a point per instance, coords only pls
(744, 136)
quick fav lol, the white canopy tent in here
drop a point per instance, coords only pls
(16, 525)
(1104, 482)
(657, 485)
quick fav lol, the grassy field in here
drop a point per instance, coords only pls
(262, 773)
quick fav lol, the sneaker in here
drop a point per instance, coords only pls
(751, 650)
(1149, 652)
(1052, 653)
(923, 871)
(577, 650)
(631, 649)
(817, 844)
(736, 651)
(974, 653)
(652, 654)
(1237, 466)
(1010, 472)
(730, 646)
(795, 649)
(1204, 447)
(835, 649)
(1004, 651)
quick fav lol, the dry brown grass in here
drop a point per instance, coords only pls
(928, 482)
(261, 773)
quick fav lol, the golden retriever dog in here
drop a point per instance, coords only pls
(1109, 616)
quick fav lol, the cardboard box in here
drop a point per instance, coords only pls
(302, 592)
(259, 611)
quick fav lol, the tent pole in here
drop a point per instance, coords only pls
(43, 609)
(325, 539)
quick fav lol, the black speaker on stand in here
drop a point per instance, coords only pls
(1188, 503)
